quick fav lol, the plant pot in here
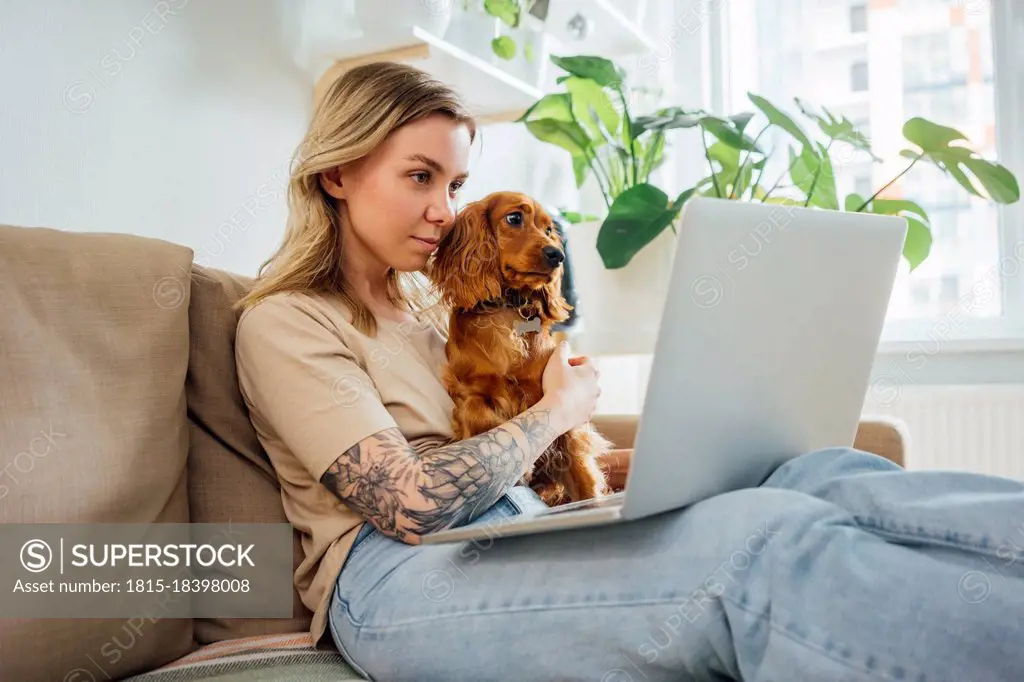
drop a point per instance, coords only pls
(381, 17)
(620, 310)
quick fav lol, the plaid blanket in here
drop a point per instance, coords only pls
(283, 658)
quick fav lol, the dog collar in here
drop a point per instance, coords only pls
(512, 299)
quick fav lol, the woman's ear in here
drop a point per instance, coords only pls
(330, 181)
(466, 266)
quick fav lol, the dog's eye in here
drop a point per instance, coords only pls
(514, 218)
(547, 231)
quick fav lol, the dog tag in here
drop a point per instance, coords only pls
(526, 326)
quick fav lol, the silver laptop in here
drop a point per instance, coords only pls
(763, 353)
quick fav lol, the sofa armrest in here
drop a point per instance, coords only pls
(620, 429)
(883, 436)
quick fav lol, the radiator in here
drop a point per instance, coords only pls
(969, 428)
(972, 428)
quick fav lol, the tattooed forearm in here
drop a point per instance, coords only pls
(407, 495)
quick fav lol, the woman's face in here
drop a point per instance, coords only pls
(400, 200)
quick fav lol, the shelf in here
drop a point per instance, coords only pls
(491, 94)
(613, 33)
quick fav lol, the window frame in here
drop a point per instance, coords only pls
(858, 66)
(955, 330)
(861, 7)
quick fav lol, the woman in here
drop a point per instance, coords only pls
(841, 566)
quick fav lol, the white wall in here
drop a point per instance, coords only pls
(176, 119)
(160, 119)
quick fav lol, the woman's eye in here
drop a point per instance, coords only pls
(514, 218)
(455, 187)
(421, 178)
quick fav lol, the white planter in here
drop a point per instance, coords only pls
(380, 17)
(620, 310)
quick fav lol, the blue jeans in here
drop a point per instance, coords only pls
(840, 566)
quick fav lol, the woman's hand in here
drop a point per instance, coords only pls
(570, 387)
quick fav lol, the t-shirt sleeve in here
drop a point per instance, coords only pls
(305, 383)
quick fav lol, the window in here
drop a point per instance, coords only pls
(921, 293)
(949, 290)
(935, 58)
(859, 76)
(949, 103)
(862, 185)
(858, 18)
(939, 63)
(862, 125)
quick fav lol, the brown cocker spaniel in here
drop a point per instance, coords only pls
(500, 270)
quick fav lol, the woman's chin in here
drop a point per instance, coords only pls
(412, 263)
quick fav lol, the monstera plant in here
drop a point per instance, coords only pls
(592, 120)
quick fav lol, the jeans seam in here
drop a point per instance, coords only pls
(341, 648)
(938, 538)
(363, 627)
(808, 645)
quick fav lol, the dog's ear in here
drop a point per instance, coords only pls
(466, 267)
(556, 308)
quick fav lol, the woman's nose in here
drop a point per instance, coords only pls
(442, 212)
(553, 255)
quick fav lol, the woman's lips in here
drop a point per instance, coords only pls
(427, 245)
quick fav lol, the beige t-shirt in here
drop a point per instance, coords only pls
(315, 386)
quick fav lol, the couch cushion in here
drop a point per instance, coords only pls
(230, 476)
(93, 355)
(282, 658)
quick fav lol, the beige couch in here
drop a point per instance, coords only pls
(119, 403)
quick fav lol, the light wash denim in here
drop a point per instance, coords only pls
(840, 566)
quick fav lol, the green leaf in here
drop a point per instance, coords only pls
(742, 180)
(666, 119)
(785, 201)
(587, 96)
(598, 69)
(557, 107)
(852, 202)
(580, 168)
(528, 51)
(566, 134)
(617, 173)
(725, 130)
(504, 47)
(506, 10)
(777, 117)
(824, 194)
(930, 136)
(651, 155)
(918, 243)
(727, 157)
(740, 121)
(636, 217)
(804, 171)
(897, 206)
(575, 217)
(838, 128)
(937, 147)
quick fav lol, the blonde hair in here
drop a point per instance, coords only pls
(357, 113)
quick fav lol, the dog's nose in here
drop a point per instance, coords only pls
(553, 255)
